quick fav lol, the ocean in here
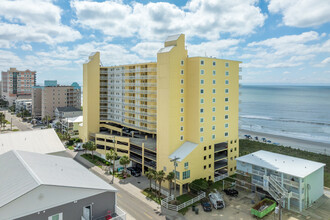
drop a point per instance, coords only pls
(301, 112)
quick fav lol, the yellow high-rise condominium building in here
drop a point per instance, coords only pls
(180, 107)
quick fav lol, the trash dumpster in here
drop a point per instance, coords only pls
(263, 208)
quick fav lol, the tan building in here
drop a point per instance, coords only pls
(46, 99)
(17, 84)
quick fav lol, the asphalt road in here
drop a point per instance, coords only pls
(20, 125)
(129, 203)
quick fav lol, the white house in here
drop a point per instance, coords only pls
(294, 181)
(67, 112)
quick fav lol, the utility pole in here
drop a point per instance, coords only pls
(175, 164)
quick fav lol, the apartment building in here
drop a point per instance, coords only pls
(296, 183)
(180, 107)
(45, 99)
(23, 105)
(17, 83)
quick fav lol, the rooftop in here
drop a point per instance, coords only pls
(78, 119)
(282, 163)
(43, 141)
(68, 109)
(183, 151)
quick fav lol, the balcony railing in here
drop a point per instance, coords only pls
(118, 215)
(259, 173)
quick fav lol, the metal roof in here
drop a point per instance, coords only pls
(42, 141)
(282, 163)
(172, 37)
(166, 49)
(183, 151)
(22, 172)
(78, 119)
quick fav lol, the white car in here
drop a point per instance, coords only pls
(79, 147)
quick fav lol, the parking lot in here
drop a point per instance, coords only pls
(239, 208)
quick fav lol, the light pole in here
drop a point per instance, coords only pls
(174, 161)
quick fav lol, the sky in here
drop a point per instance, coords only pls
(278, 41)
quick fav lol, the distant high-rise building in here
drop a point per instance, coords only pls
(45, 99)
(17, 84)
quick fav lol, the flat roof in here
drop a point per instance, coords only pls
(44, 141)
(183, 151)
(282, 163)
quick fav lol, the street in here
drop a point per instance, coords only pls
(16, 122)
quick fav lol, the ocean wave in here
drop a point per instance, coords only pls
(283, 120)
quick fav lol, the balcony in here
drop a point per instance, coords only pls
(220, 156)
(220, 147)
(118, 215)
(150, 155)
(257, 172)
(257, 182)
(220, 164)
(135, 158)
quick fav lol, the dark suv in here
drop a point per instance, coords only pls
(134, 171)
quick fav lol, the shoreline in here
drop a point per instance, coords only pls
(307, 145)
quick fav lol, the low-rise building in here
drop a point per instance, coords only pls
(71, 125)
(23, 105)
(43, 141)
(67, 112)
(37, 187)
(297, 182)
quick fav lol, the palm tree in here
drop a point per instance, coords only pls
(112, 157)
(149, 174)
(154, 176)
(124, 161)
(86, 146)
(170, 178)
(92, 147)
(160, 177)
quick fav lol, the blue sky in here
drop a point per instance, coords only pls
(279, 41)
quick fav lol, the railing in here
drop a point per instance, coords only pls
(259, 173)
(220, 177)
(162, 191)
(118, 215)
(165, 202)
(278, 187)
(257, 182)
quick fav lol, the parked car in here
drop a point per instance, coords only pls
(206, 206)
(134, 171)
(216, 200)
(231, 192)
(79, 147)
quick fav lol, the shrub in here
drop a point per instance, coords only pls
(198, 185)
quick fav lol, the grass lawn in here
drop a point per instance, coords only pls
(248, 146)
(98, 161)
(152, 194)
(70, 147)
(184, 198)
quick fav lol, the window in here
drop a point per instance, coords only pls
(213, 118)
(231, 169)
(213, 91)
(213, 72)
(201, 139)
(213, 128)
(177, 175)
(226, 116)
(231, 142)
(58, 216)
(201, 120)
(235, 141)
(202, 101)
(202, 91)
(186, 174)
(181, 118)
(210, 148)
(213, 136)
(226, 108)
(181, 110)
(202, 62)
(181, 81)
(210, 154)
(227, 73)
(204, 147)
(231, 158)
(213, 109)
(226, 125)
(235, 149)
(226, 91)
(226, 99)
(182, 72)
(186, 165)
(231, 150)
(202, 72)
(213, 100)
(227, 64)
(226, 134)
(181, 138)
(181, 91)
(204, 157)
(209, 165)
(213, 82)
(202, 81)
(213, 63)
(201, 110)
(204, 167)
(181, 128)
(181, 100)
(201, 129)
(227, 82)
(182, 62)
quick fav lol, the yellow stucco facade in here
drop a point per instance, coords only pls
(181, 106)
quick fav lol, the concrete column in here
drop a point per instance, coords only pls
(180, 189)
(143, 158)
(300, 202)
(289, 203)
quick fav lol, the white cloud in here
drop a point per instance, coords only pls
(147, 49)
(155, 21)
(34, 21)
(301, 13)
(26, 47)
(215, 48)
(326, 60)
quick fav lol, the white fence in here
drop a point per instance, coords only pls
(220, 177)
(120, 215)
(165, 202)
(162, 191)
